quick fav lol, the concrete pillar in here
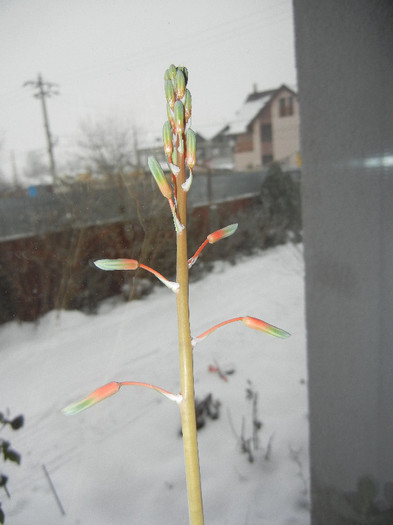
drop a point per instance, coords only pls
(344, 52)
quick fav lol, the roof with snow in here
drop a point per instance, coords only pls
(245, 115)
(253, 105)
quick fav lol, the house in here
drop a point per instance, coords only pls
(214, 149)
(265, 129)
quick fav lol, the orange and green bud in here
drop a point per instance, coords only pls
(250, 322)
(160, 178)
(95, 397)
(167, 139)
(132, 264)
(191, 148)
(170, 93)
(221, 234)
(180, 84)
(258, 324)
(179, 117)
(211, 239)
(187, 105)
(110, 265)
(109, 390)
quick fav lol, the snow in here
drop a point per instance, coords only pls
(121, 461)
(246, 114)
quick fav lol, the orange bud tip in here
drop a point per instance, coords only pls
(258, 324)
(221, 234)
(95, 397)
(116, 264)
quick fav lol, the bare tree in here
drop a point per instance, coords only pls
(105, 147)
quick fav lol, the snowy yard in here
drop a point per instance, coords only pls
(122, 460)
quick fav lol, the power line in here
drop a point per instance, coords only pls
(43, 90)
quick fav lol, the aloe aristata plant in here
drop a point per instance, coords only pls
(180, 150)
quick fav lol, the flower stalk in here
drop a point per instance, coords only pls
(180, 150)
(187, 405)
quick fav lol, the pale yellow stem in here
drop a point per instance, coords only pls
(187, 405)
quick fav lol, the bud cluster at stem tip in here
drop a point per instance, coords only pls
(176, 131)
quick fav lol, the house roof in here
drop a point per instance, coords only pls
(245, 115)
(250, 109)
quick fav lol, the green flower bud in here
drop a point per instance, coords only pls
(160, 178)
(187, 105)
(166, 76)
(167, 138)
(191, 148)
(184, 70)
(172, 72)
(170, 118)
(170, 93)
(180, 84)
(179, 116)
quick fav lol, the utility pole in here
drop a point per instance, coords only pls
(136, 150)
(14, 170)
(43, 90)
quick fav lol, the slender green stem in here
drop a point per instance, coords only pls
(187, 405)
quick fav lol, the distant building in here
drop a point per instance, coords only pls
(265, 130)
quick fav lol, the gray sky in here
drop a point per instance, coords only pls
(109, 58)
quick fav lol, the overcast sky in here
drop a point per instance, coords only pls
(109, 58)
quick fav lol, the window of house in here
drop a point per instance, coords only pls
(267, 159)
(282, 107)
(290, 106)
(286, 106)
(266, 132)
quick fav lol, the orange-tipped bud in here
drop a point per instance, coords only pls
(117, 264)
(95, 397)
(109, 390)
(258, 324)
(212, 238)
(221, 234)
(160, 178)
(250, 322)
(132, 264)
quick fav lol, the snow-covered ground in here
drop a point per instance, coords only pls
(121, 461)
